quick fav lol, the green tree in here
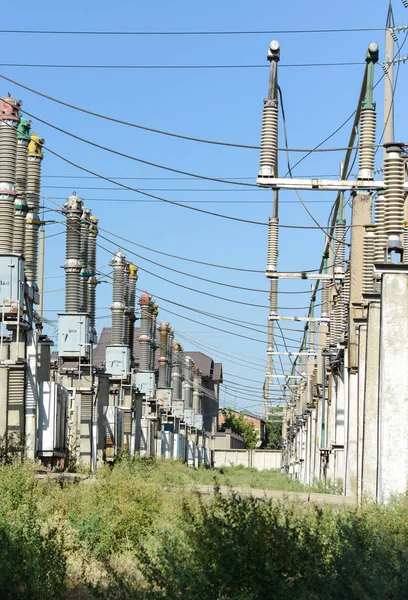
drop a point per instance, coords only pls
(238, 424)
(273, 429)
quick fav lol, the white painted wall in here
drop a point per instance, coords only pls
(259, 459)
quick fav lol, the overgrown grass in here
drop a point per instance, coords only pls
(141, 532)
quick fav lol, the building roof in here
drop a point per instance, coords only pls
(205, 363)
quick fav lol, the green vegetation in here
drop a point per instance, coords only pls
(238, 424)
(140, 531)
(273, 429)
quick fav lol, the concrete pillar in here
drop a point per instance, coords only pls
(361, 216)
(331, 422)
(362, 358)
(351, 455)
(318, 434)
(393, 393)
(339, 465)
(31, 395)
(3, 399)
(370, 417)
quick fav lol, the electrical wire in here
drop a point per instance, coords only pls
(190, 33)
(141, 201)
(173, 67)
(151, 129)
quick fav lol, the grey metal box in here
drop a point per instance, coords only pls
(163, 397)
(198, 421)
(189, 417)
(118, 361)
(146, 383)
(73, 335)
(52, 410)
(11, 283)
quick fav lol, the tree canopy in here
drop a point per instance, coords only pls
(238, 424)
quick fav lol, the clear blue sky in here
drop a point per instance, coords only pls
(223, 104)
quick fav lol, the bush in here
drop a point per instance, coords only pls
(242, 549)
(32, 559)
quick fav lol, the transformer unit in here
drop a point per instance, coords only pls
(118, 362)
(178, 409)
(11, 284)
(52, 420)
(73, 336)
(189, 417)
(198, 421)
(163, 397)
(146, 384)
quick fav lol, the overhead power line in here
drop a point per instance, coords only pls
(153, 130)
(190, 33)
(172, 67)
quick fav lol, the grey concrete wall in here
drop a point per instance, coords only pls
(259, 459)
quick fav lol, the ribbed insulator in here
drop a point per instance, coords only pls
(380, 234)
(153, 348)
(368, 250)
(162, 373)
(83, 306)
(6, 223)
(73, 264)
(118, 288)
(31, 246)
(144, 355)
(92, 272)
(145, 320)
(8, 151)
(334, 323)
(367, 143)
(325, 298)
(131, 311)
(33, 183)
(188, 382)
(126, 311)
(71, 291)
(345, 300)
(91, 304)
(21, 165)
(269, 138)
(273, 297)
(117, 328)
(273, 237)
(73, 237)
(176, 373)
(33, 190)
(19, 232)
(406, 243)
(118, 297)
(394, 178)
(340, 246)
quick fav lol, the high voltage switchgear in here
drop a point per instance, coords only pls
(344, 418)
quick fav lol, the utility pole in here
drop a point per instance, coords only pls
(389, 79)
(269, 167)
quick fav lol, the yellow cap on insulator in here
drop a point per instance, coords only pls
(35, 146)
(132, 271)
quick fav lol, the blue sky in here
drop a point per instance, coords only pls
(218, 104)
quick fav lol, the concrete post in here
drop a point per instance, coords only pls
(339, 426)
(362, 361)
(393, 393)
(370, 417)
